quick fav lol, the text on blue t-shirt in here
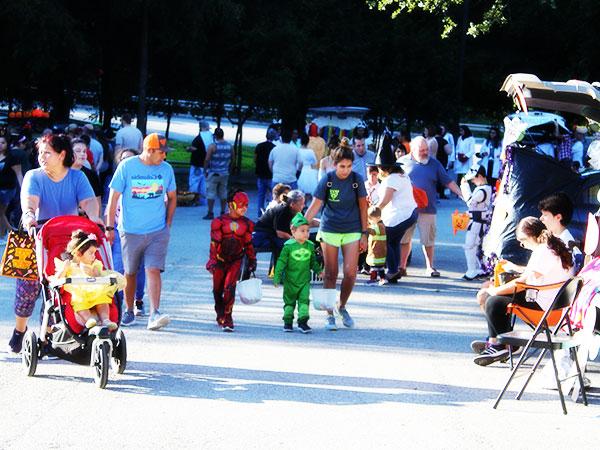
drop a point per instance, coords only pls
(143, 189)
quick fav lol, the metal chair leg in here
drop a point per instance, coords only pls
(560, 392)
(580, 376)
(512, 374)
(531, 372)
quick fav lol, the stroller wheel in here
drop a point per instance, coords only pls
(101, 364)
(119, 352)
(29, 354)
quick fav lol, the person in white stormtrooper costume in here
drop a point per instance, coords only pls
(479, 202)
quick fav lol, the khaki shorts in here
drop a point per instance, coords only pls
(426, 224)
(150, 248)
(216, 186)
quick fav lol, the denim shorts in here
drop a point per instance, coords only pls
(150, 248)
(7, 195)
(196, 180)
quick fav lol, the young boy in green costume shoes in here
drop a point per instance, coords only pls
(294, 264)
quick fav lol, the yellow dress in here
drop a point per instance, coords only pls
(87, 296)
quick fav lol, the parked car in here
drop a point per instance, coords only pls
(530, 176)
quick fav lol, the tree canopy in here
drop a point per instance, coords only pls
(491, 13)
(273, 59)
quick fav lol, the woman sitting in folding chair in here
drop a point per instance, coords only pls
(548, 267)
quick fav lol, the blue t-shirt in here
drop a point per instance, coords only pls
(57, 198)
(426, 177)
(340, 212)
(143, 189)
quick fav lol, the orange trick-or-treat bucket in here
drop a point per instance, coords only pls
(460, 221)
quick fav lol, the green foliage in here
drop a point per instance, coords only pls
(269, 59)
(493, 14)
(180, 157)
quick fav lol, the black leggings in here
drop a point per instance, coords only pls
(498, 318)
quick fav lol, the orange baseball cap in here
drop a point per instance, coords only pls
(155, 141)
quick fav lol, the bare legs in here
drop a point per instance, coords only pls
(350, 256)
(21, 323)
(154, 284)
(211, 206)
(428, 253)
(86, 314)
(129, 290)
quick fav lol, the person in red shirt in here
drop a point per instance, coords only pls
(230, 241)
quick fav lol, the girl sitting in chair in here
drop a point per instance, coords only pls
(549, 267)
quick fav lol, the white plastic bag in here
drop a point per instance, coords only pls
(249, 291)
(323, 299)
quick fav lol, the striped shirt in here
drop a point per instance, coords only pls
(220, 159)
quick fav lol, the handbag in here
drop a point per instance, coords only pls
(19, 259)
(420, 196)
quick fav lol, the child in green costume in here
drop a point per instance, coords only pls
(294, 264)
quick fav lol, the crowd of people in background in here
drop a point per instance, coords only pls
(362, 199)
(77, 170)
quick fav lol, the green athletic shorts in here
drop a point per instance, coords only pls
(338, 239)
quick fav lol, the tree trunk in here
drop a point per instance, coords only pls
(170, 105)
(142, 114)
(235, 169)
(61, 103)
(461, 61)
(293, 116)
(106, 99)
(106, 68)
(241, 149)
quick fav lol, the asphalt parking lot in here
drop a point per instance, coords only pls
(402, 378)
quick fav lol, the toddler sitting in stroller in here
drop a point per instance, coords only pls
(79, 260)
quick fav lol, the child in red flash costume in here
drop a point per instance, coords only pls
(230, 240)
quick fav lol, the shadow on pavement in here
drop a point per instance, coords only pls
(259, 386)
(368, 339)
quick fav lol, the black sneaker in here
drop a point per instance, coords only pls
(492, 354)
(478, 346)
(288, 327)
(139, 309)
(304, 328)
(209, 216)
(16, 341)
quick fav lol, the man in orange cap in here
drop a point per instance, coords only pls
(141, 182)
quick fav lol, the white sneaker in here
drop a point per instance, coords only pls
(157, 321)
(330, 325)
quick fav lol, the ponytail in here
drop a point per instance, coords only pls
(558, 247)
(534, 228)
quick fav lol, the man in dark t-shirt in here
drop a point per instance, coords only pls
(196, 180)
(262, 169)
